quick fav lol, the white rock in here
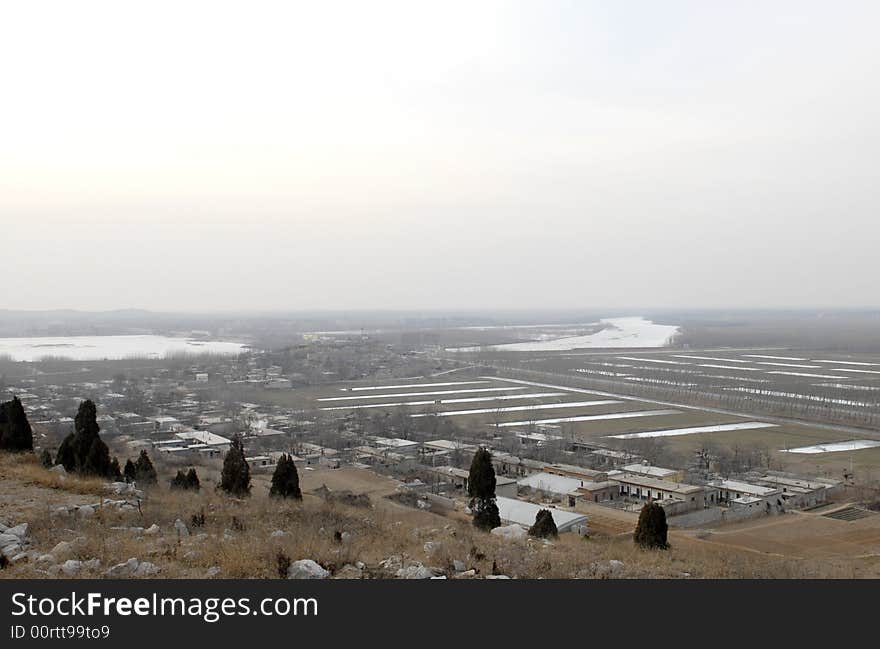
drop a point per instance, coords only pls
(306, 569)
(92, 564)
(19, 530)
(59, 469)
(415, 571)
(213, 571)
(46, 558)
(277, 534)
(18, 558)
(61, 549)
(152, 529)
(181, 528)
(7, 539)
(145, 569)
(86, 511)
(123, 569)
(71, 567)
(497, 577)
(510, 532)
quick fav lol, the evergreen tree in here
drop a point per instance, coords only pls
(15, 429)
(115, 472)
(179, 481)
(481, 489)
(236, 476)
(144, 472)
(192, 480)
(186, 481)
(64, 456)
(652, 528)
(545, 526)
(285, 480)
(83, 450)
(129, 472)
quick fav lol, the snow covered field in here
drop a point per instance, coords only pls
(543, 406)
(398, 395)
(506, 397)
(412, 385)
(834, 447)
(746, 425)
(95, 348)
(632, 332)
(610, 415)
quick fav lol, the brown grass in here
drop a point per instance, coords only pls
(247, 550)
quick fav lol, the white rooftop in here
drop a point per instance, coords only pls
(523, 513)
(550, 483)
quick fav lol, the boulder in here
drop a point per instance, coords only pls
(510, 532)
(306, 569)
(121, 570)
(62, 549)
(415, 571)
(19, 530)
(181, 528)
(146, 569)
(71, 567)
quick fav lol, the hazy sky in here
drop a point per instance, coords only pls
(212, 155)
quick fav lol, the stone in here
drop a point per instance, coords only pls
(20, 557)
(19, 530)
(277, 534)
(415, 571)
(497, 577)
(45, 558)
(181, 528)
(349, 571)
(306, 569)
(86, 511)
(510, 532)
(8, 539)
(459, 566)
(61, 549)
(92, 564)
(59, 469)
(71, 567)
(152, 530)
(146, 569)
(213, 571)
(123, 569)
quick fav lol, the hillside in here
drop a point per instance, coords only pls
(80, 528)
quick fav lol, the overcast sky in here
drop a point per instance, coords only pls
(210, 155)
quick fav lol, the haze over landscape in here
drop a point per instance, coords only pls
(394, 155)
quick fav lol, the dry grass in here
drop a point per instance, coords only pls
(26, 468)
(236, 537)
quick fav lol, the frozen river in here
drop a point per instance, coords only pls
(91, 348)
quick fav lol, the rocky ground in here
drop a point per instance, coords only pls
(58, 526)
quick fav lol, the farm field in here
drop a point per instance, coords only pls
(505, 406)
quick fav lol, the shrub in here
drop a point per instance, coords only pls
(545, 526)
(15, 429)
(651, 531)
(481, 489)
(236, 476)
(285, 480)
